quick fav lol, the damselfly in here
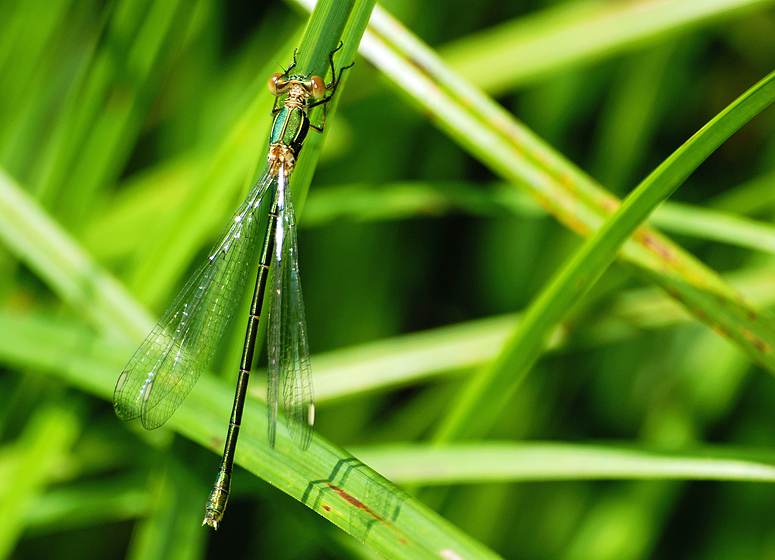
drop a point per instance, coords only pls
(167, 365)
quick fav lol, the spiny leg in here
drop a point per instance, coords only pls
(334, 79)
(331, 87)
(292, 65)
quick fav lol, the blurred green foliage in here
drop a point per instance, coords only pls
(137, 127)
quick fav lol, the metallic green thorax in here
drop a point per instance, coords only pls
(290, 128)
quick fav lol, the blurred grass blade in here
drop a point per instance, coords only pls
(715, 225)
(756, 196)
(41, 450)
(102, 116)
(466, 463)
(409, 358)
(64, 507)
(401, 201)
(171, 529)
(419, 357)
(481, 399)
(56, 257)
(579, 33)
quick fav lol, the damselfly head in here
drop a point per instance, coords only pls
(297, 86)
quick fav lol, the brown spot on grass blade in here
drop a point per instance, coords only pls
(354, 501)
(721, 330)
(755, 341)
(648, 239)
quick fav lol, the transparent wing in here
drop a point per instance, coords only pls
(288, 350)
(169, 362)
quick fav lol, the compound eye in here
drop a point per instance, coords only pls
(318, 87)
(275, 85)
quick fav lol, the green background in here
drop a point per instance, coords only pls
(137, 126)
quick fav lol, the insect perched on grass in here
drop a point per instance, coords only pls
(169, 362)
